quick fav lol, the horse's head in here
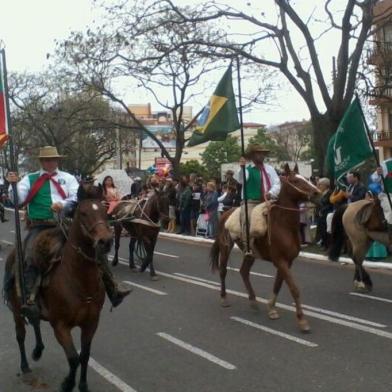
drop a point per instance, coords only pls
(162, 203)
(92, 219)
(297, 188)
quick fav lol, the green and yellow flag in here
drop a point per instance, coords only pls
(219, 117)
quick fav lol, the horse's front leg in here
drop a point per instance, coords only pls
(284, 270)
(39, 345)
(149, 260)
(117, 236)
(273, 313)
(64, 337)
(86, 339)
(223, 259)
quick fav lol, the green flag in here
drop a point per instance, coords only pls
(219, 117)
(350, 146)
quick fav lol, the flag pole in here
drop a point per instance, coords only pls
(243, 154)
(13, 167)
(374, 149)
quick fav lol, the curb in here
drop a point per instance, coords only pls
(305, 255)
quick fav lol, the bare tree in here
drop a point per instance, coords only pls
(290, 44)
(140, 45)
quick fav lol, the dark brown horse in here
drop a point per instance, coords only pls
(280, 245)
(361, 222)
(74, 294)
(143, 223)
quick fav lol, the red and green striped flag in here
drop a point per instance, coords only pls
(3, 109)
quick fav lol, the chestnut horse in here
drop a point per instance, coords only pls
(362, 222)
(74, 294)
(143, 225)
(280, 245)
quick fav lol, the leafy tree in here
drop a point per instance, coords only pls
(217, 153)
(293, 45)
(193, 166)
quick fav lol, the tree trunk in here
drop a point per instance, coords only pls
(323, 128)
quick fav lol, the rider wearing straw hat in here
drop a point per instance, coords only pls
(44, 193)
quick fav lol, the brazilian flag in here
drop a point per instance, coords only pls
(219, 117)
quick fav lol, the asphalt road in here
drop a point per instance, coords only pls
(173, 336)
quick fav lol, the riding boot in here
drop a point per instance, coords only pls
(32, 283)
(114, 292)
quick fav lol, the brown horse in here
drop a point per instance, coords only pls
(362, 222)
(280, 245)
(143, 223)
(74, 294)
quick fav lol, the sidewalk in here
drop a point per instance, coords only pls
(306, 255)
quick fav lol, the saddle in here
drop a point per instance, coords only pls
(258, 222)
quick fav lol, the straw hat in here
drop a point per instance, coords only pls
(252, 148)
(49, 152)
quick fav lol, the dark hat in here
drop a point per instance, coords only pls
(252, 148)
(229, 172)
(88, 179)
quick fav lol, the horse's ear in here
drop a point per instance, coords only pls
(286, 169)
(81, 193)
(296, 171)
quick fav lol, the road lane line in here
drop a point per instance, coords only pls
(198, 279)
(359, 327)
(145, 288)
(7, 242)
(372, 297)
(344, 316)
(275, 332)
(12, 231)
(197, 351)
(108, 376)
(166, 255)
(252, 273)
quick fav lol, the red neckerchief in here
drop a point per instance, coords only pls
(264, 177)
(39, 184)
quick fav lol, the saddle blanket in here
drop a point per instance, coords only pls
(258, 222)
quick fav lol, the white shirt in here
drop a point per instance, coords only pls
(67, 181)
(272, 175)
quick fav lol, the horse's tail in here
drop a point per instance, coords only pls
(338, 234)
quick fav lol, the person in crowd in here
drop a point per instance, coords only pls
(185, 206)
(210, 202)
(338, 198)
(45, 193)
(356, 189)
(322, 210)
(196, 198)
(111, 193)
(225, 190)
(231, 200)
(171, 194)
(385, 194)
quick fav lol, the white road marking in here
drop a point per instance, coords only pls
(197, 351)
(344, 316)
(1, 259)
(12, 231)
(166, 255)
(7, 242)
(110, 377)
(274, 332)
(372, 297)
(198, 279)
(145, 288)
(252, 273)
(359, 327)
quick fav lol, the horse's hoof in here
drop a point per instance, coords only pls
(25, 369)
(225, 303)
(273, 314)
(114, 262)
(83, 387)
(304, 326)
(254, 304)
(154, 278)
(360, 287)
(37, 353)
(67, 386)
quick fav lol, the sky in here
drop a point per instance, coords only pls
(30, 29)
